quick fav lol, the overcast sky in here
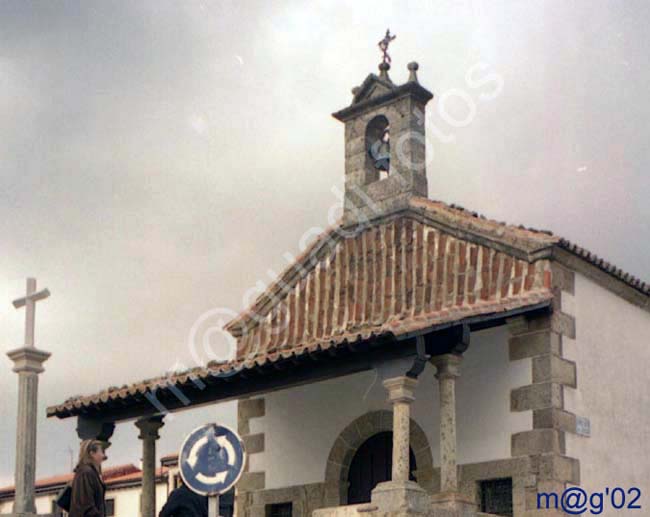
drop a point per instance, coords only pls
(158, 158)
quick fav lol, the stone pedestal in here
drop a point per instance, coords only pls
(401, 496)
(149, 434)
(28, 363)
(454, 503)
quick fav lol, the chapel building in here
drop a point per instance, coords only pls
(418, 357)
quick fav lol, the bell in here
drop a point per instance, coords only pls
(380, 153)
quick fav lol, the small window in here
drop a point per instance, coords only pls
(496, 496)
(279, 510)
(109, 506)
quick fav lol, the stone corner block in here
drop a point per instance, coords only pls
(556, 467)
(538, 441)
(253, 443)
(562, 278)
(531, 344)
(553, 418)
(537, 396)
(552, 368)
(250, 481)
(251, 408)
(564, 324)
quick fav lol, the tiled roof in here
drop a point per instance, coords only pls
(616, 272)
(419, 268)
(109, 474)
(452, 220)
(169, 460)
(134, 476)
(453, 314)
(395, 277)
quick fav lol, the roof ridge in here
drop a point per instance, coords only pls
(627, 278)
(607, 267)
(453, 207)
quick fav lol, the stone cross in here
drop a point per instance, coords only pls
(29, 302)
(28, 364)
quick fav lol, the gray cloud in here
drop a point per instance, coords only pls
(157, 158)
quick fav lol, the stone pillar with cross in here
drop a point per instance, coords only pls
(28, 363)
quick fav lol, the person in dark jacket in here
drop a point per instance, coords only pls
(88, 487)
(183, 502)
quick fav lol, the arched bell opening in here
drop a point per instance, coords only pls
(377, 149)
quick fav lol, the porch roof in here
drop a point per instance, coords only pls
(322, 360)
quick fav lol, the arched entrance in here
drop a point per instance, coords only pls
(372, 464)
(355, 434)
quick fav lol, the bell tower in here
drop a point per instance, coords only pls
(385, 162)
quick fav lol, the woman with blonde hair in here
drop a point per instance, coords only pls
(88, 487)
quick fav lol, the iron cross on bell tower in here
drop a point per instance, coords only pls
(384, 66)
(383, 46)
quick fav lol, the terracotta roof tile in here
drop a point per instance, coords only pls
(592, 258)
(108, 473)
(134, 476)
(429, 265)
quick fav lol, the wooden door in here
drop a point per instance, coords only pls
(372, 464)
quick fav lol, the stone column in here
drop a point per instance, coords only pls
(400, 494)
(149, 434)
(448, 370)
(28, 363)
(400, 394)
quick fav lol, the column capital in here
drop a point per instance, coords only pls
(93, 429)
(401, 389)
(28, 359)
(149, 427)
(447, 365)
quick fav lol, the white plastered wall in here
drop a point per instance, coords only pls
(612, 354)
(301, 424)
(127, 501)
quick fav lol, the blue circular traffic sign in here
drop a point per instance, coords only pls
(212, 459)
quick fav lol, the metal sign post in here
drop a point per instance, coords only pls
(213, 506)
(211, 462)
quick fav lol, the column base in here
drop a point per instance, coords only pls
(401, 496)
(455, 502)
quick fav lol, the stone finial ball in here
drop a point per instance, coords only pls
(413, 66)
